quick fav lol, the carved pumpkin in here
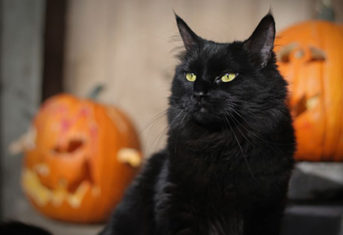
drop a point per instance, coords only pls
(310, 57)
(84, 155)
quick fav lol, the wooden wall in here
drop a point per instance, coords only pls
(21, 68)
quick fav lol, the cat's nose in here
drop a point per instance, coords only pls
(199, 95)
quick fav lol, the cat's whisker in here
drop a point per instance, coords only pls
(152, 122)
(238, 128)
(247, 126)
(172, 124)
(229, 128)
(175, 122)
(158, 138)
(241, 149)
(254, 132)
(164, 131)
(183, 118)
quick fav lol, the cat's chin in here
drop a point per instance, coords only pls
(206, 119)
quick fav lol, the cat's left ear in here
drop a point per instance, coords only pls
(189, 38)
(260, 43)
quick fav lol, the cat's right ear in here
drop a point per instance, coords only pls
(189, 38)
(260, 43)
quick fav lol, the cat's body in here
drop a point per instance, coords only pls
(228, 159)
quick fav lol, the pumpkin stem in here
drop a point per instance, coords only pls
(325, 11)
(96, 91)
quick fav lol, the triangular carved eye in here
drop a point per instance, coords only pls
(71, 146)
(317, 54)
(299, 107)
(284, 54)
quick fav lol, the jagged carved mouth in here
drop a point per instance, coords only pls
(42, 195)
(72, 193)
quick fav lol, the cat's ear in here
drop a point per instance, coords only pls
(189, 38)
(260, 43)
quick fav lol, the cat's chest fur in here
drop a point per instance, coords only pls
(220, 174)
(198, 173)
(214, 187)
(198, 191)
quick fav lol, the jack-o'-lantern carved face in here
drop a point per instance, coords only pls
(310, 58)
(75, 170)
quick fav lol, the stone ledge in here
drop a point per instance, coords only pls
(313, 220)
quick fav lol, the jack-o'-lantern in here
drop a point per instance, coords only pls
(310, 57)
(83, 156)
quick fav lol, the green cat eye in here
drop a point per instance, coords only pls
(228, 77)
(191, 77)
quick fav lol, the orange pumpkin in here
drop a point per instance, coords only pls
(83, 156)
(310, 57)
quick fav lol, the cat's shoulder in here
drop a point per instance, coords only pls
(152, 166)
(157, 159)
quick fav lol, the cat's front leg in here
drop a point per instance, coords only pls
(134, 214)
(171, 215)
(181, 223)
(175, 215)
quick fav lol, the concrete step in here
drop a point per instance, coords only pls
(313, 220)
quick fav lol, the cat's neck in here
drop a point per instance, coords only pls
(198, 140)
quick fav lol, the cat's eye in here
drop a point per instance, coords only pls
(228, 77)
(191, 77)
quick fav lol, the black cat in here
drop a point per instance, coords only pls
(228, 159)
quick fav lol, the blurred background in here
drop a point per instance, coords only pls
(129, 47)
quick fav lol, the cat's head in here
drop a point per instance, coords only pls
(222, 82)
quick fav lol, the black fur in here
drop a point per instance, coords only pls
(228, 159)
